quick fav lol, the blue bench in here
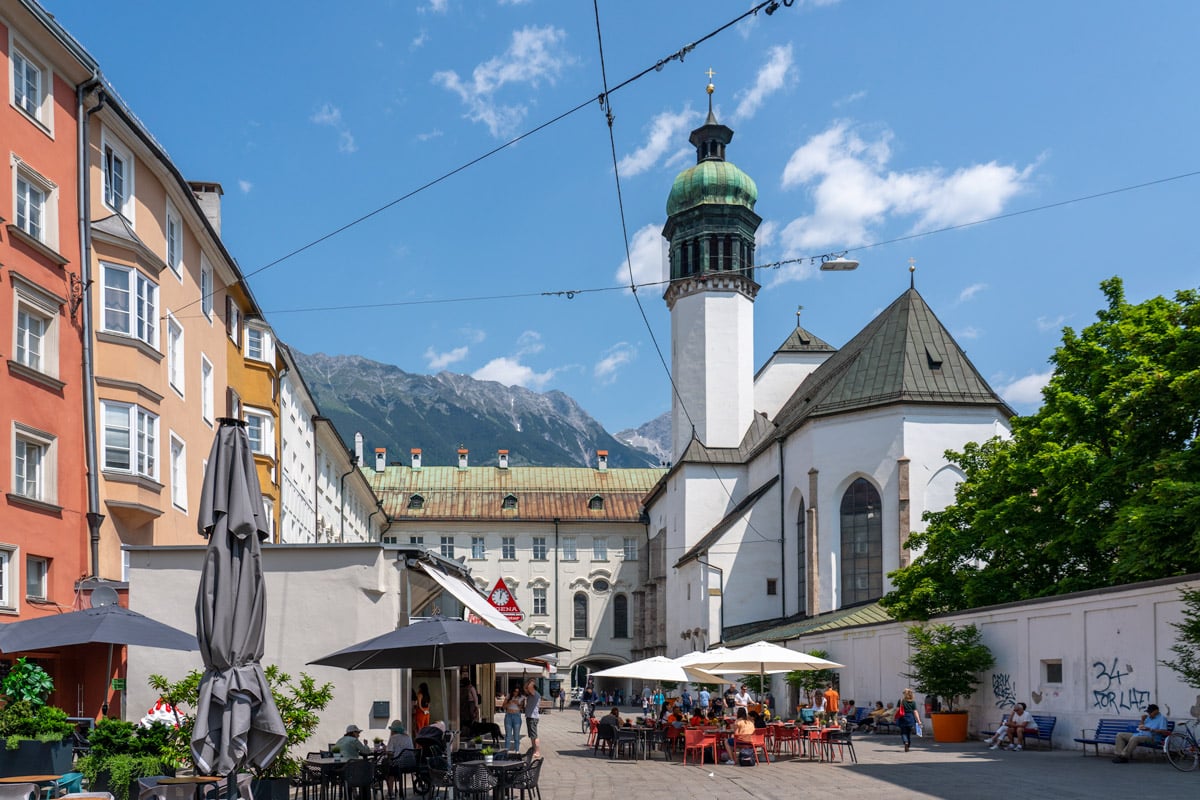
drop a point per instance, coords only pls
(1044, 733)
(1106, 731)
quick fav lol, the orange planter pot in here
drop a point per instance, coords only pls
(949, 727)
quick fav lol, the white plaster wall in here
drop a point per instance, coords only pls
(1110, 645)
(779, 378)
(298, 512)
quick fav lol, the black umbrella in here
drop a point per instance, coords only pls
(237, 723)
(111, 625)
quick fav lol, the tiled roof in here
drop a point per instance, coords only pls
(904, 355)
(542, 493)
(802, 341)
(713, 536)
(853, 617)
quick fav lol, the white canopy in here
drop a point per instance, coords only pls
(699, 657)
(761, 658)
(658, 668)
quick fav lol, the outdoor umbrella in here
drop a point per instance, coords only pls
(237, 723)
(111, 625)
(437, 643)
(658, 668)
(762, 657)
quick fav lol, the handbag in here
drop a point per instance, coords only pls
(900, 710)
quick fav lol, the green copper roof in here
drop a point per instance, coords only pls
(711, 182)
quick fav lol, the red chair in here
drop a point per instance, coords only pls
(592, 728)
(757, 741)
(674, 738)
(694, 741)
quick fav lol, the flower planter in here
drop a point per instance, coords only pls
(949, 726)
(36, 758)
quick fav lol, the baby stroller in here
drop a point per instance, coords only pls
(432, 744)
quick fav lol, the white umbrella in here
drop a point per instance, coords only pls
(658, 668)
(761, 657)
(701, 656)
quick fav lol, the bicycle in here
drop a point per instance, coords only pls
(1182, 749)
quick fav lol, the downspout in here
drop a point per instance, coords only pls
(94, 517)
(556, 593)
(782, 533)
(342, 497)
(721, 585)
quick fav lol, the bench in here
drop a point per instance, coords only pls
(1044, 733)
(1106, 731)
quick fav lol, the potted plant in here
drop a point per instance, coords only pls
(488, 754)
(299, 702)
(34, 733)
(121, 752)
(946, 662)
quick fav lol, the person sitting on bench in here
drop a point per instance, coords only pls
(1014, 728)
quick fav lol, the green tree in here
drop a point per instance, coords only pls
(1186, 663)
(807, 681)
(1100, 486)
(946, 661)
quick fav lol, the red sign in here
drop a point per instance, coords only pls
(503, 601)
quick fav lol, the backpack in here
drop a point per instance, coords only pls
(745, 757)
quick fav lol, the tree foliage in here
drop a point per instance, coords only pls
(946, 661)
(807, 681)
(1100, 486)
(1186, 663)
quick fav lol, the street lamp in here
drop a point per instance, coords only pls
(838, 263)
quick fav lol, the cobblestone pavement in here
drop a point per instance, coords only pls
(884, 770)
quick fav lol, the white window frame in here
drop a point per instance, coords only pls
(207, 290)
(42, 112)
(43, 575)
(7, 600)
(265, 347)
(478, 547)
(178, 467)
(508, 548)
(446, 547)
(45, 478)
(173, 238)
(539, 601)
(207, 390)
(233, 320)
(264, 420)
(33, 301)
(538, 552)
(629, 546)
(569, 549)
(112, 148)
(141, 427)
(175, 354)
(47, 230)
(141, 299)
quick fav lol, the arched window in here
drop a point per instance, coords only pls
(801, 561)
(596, 503)
(620, 617)
(727, 253)
(862, 544)
(581, 616)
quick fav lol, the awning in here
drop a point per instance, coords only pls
(470, 597)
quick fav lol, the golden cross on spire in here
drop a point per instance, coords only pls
(710, 74)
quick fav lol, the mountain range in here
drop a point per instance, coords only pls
(440, 413)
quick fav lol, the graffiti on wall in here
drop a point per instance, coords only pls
(1003, 690)
(1111, 691)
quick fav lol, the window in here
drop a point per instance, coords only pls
(258, 344)
(539, 600)
(174, 235)
(34, 473)
(862, 543)
(630, 547)
(596, 503)
(6, 599)
(31, 208)
(206, 287)
(772, 587)
(130, 439)
(599, 549)
(568, 548)
(508, 547)
(620, 617)
(233, 320)
(32, 86)
(801, 560)
(417, 540)
(600, 585)
(178, 473)
(260, 427)
(447, 548)
(31, 330)
(580, 615)
(416, 502)
(118, 178)
(509, 502)
(206, 389)
(36, 571)
(35, 333)
(175, 353)
(539, 548)
(130, 303)
(478, 549)
(1052, 671)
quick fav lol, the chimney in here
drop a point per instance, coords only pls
(462, 458)
(602, 460)
(380, 459)
(416, 457)
(358, 448)
(503, 458)
(208, 195)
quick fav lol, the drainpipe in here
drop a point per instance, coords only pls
(94, 517)
(721, 585)
(782, 533)
(556, 582)
(342, 497)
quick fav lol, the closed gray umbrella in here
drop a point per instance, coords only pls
(237, 723)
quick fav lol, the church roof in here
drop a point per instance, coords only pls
(718, 182)
(802, 341)
(709, 539)
(904, 355)
(850, 617)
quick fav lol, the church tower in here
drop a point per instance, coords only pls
(710, 227)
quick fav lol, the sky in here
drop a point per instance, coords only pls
(861, 123)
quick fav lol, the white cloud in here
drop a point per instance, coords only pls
(419, 40)
(473, 335)
(245, 185)
(515, 2)
(1024, 391)
(435, 7)
(533, 56)
(438, 360)
(1047, 324)
(511, 372)
(346, 142)
(771, 78)
(854, 192)
(436, 133)
(850, 98)
(614, 358)
(529, 342)
(665, 130)
(970, 292)
(969, 332)
(648, 255)
(331, 116)
(766, 234)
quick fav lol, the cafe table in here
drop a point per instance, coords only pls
(503, 768)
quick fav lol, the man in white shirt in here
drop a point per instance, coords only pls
(742, 699)
(1014, 728)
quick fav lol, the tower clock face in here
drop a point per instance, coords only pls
(500, 596)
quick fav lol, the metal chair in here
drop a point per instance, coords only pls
(627, 738)
(474, 781)
(843, 741)
(606, 738)
(358, 778)
(527, 780)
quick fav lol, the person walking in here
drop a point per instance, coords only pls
(532, 715)
(907, 717)
(513, 708)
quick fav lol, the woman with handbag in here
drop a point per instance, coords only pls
(907, 717)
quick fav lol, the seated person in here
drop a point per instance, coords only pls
(848, 710)
(697, 719)
(349, 746)
(401, 755)
(872, 718)
(612, 718)
(677, 720)
(758, 720)
(743, 728)
(1013, 729)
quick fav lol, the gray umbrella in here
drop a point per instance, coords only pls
(237, 723)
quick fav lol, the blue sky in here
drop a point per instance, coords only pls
(861, 122)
